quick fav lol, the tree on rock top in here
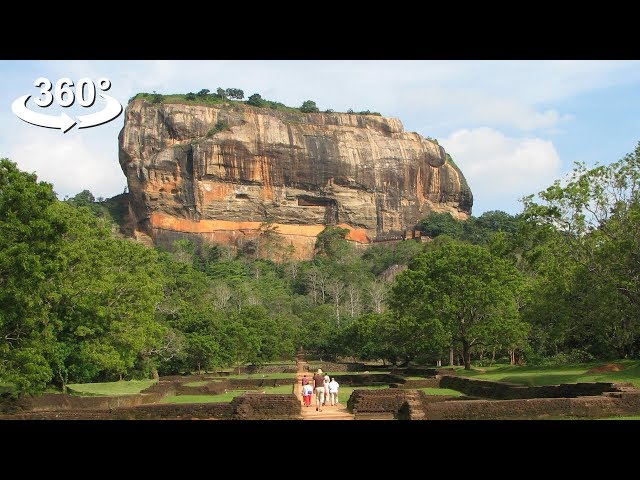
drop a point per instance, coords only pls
(309, 106)
(256, 100)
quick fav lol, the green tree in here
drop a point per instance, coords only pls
(442, 224)
(83, 199)
(462, 289)
(203, 93)
(235, 93)
(256, 100)
(597, 212)
(480, 230)
(309, 106)
(331, 242)
(30, 244)
(103, 306)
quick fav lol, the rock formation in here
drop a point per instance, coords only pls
(223, 171)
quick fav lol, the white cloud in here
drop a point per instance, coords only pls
(71, 162)
(501, 169)
(435, 98)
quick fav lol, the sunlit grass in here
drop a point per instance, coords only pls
(123, 387)
(227, 396)
(535, 375)
(441, 391)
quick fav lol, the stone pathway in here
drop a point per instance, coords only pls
(335, 412)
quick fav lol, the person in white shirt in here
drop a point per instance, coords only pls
(326, 388)
(333, 391)
(307, 391)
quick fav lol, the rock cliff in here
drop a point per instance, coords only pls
(223, 171)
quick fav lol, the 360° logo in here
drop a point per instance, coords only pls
(64, 96)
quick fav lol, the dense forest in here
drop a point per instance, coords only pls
(557, 283)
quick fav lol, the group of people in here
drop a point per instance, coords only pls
(323, 386)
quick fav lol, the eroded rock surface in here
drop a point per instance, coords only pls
(299, 172)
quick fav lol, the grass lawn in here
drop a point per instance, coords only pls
(200, 383)
(534, 375)
(345, 392)
(124, 387)
(441, 391)
(225, 397)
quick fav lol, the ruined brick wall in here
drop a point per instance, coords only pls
(249, 406)
(255, 406)
(386, 400)
(337, 367)
(533, 408)
(185, 411)
(366, 379)
(272, 369)
(256, 383)
(510, 391)
(424, 383)
(63, 401)
(422, 371)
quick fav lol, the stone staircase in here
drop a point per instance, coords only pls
(414, 404)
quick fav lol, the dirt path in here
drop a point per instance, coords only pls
(335, 412)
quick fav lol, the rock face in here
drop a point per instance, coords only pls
(297, 172)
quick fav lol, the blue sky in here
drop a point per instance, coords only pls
(512, 126)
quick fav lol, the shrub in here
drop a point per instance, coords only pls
(309, 106)
(219, 127)
(256, 100)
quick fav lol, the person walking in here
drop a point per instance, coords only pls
(318, 386)
(307, 391)
(326, 381)
(333, 391)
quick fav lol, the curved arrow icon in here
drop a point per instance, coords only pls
(108, 113)
(63, 121)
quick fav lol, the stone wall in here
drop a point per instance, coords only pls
(255, 383)
(533, 408)
(168, 386)
(336, 367)
(62, 401)
(422, 371)
(509, 391)
(427, 382)
(272, 369)
(368, 379)
(255, 406)
(249, 406)
(386, 400)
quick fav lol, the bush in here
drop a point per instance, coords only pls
(256, 100)
(219, 127)
(156, 98)
(309, 106)
(190, 96)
